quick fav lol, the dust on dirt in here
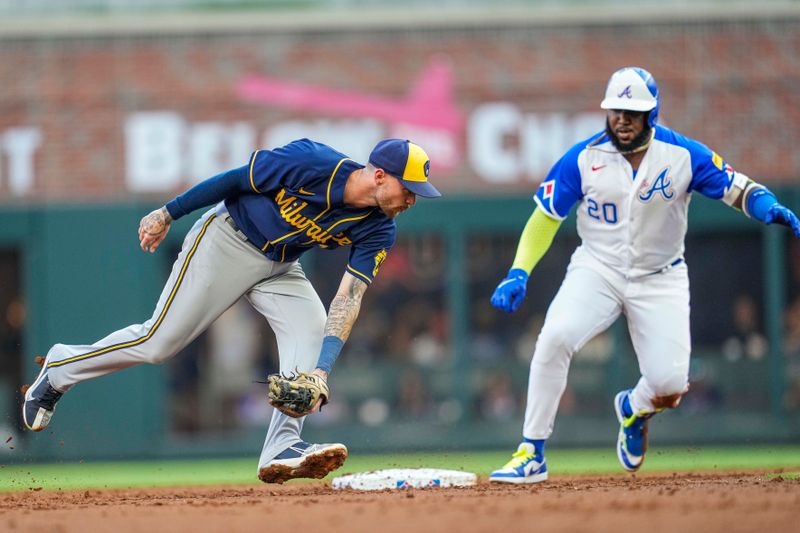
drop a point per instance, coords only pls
(707, 502)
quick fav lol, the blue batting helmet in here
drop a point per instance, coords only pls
(634, 89)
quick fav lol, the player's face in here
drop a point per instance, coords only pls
(626, 125)
(392, 197)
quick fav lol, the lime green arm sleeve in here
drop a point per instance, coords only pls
(535, 240)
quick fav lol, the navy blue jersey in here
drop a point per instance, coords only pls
(296, 202)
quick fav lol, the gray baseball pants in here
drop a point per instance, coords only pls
(214, 269)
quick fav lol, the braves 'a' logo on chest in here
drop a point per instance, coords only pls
(662, 184)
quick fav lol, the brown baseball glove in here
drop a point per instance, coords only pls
(298, 393)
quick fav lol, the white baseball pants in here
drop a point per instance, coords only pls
(590, 299)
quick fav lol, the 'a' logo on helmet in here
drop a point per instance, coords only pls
(427, 168)
(626, 92)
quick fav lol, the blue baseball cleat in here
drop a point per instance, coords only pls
(303, 460)
(40, 400)
(524, 467)
(632, 438)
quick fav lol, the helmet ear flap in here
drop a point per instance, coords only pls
(648, 119)
(652, 115)
(652, 118)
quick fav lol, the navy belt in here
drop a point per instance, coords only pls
(668, 267)
(239, 233)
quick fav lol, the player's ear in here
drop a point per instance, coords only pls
(380, 176)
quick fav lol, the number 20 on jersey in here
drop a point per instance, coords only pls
(606, 212)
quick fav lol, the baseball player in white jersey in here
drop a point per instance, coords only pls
(632, 183)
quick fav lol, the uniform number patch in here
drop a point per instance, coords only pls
(606, 212)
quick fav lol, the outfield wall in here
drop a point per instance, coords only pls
(106, 108)
(429, 365)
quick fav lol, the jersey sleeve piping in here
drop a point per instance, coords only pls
(252, 164)
(366, 278)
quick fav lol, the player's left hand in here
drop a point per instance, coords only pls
(298, 394)
(510, 292)
(781, 214)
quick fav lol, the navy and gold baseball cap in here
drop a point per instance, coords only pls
(407, 162)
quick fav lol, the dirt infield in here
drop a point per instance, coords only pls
(729, 502)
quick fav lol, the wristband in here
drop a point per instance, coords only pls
(759, 202)
(331, 347)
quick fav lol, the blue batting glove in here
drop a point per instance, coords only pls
(781, 214)
(511, 291)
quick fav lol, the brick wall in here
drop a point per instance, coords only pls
(66, 103)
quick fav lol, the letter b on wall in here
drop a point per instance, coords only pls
(153, 151)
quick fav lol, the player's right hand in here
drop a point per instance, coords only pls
(511, 291)
(153, 228)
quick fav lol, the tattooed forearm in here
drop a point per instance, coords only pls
(344, 307)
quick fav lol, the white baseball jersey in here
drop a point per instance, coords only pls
(634, 222)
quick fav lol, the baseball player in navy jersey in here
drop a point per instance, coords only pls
(266, 214)
(632, 184)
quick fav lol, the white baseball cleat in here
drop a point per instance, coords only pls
(303, 460)
(632, 436)
(524, 467)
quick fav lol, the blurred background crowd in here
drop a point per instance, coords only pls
(399, 361)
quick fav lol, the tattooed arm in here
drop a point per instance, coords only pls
(345, 306)
(153, 228)
(341, 317)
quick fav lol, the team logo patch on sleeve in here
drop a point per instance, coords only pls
(730, 172)
(548, 191)
(548, 188)
(380, 257)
